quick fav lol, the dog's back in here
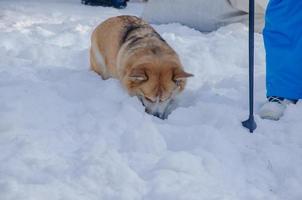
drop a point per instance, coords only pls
(117, 39)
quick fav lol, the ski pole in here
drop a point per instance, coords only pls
(250, 122)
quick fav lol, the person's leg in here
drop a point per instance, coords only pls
(283, 44)
(97, 2)
(115, 3)
(119, 3)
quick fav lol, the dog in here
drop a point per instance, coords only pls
(128, 49)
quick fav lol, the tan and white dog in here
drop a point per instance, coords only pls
(129, 49)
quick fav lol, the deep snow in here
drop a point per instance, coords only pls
(67, 135)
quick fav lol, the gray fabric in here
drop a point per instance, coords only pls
(203, 15)
(243, 5)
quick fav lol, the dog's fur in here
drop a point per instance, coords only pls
(128, 49)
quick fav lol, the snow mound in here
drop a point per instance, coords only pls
(66, 134)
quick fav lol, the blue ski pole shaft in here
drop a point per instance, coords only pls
(251, 55)
(250, 123)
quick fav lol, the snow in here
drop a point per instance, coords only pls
(65, 134)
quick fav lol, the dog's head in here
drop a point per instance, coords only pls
(156, 85)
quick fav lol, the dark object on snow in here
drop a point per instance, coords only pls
(250, 123)
(107, 3)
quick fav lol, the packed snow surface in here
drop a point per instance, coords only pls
(65, 134)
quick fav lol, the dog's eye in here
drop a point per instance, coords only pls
(150, 100)
(138, 79)
(177, 82)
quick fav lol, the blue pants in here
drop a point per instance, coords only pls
(283, 44)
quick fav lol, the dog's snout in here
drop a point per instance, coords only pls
(157, 114)
(158, 109)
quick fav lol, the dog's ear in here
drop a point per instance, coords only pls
(138, 74)
(180, 75)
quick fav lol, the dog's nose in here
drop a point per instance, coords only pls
(157, 114)
(160, 115)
